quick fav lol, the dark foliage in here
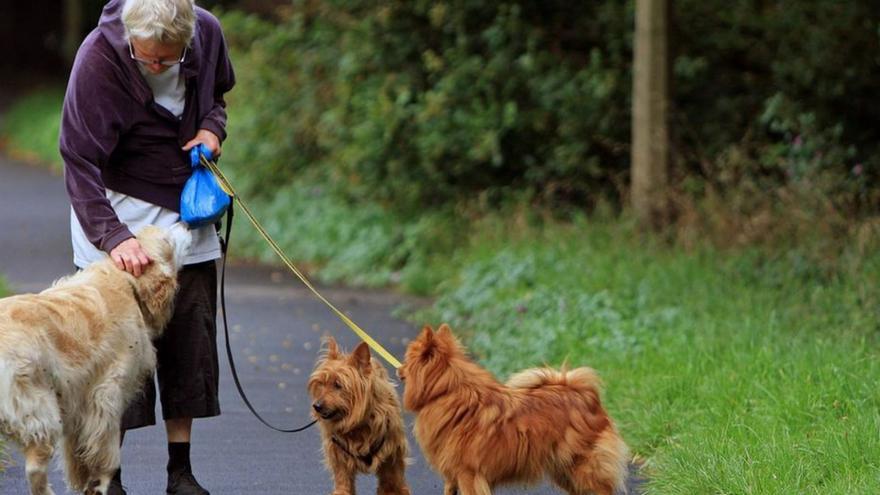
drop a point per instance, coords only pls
(422, 103)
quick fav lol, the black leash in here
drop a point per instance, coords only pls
(225, 248)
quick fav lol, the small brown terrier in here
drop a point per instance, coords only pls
(360, 420)
(479, 433)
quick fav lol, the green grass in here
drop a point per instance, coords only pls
(727, 372)
(31, 127)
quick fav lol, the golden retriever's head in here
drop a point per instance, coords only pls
(157, 285)
(428, 368)
(341, 386)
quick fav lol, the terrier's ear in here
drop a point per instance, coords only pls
(360, 358)
(332, 348)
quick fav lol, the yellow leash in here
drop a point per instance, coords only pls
(227, 187)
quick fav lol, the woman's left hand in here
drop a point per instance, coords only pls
(208, 138)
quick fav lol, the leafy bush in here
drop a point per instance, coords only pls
(426, 115)
(417, 104)
(420, 104)
(773, 124)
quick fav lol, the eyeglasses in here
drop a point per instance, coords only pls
(166, 63)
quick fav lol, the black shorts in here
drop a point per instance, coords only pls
(188, 371)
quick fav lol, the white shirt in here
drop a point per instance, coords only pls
(169, 91)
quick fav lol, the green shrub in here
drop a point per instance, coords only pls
(766, 104)
(421, 104)
(418, 104)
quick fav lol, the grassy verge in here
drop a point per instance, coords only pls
(729, 371)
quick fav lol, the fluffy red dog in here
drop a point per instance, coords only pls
(479, 433)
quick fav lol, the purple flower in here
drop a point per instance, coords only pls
(858, 169)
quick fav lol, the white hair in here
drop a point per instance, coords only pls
(165, 21)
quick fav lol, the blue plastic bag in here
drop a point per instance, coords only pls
(203, 201)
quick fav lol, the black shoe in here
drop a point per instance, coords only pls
(184, 483)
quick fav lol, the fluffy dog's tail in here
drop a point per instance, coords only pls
(579, 379)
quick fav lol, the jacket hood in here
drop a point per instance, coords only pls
(111, 26)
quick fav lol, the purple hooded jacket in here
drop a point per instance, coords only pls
(113, 135)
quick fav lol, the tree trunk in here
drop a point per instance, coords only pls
(73, 20)
(650, 128)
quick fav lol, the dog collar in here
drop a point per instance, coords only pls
(368, 457)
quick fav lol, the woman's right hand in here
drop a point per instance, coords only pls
(130, 256)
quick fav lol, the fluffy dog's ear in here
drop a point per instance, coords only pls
(444, 334)
(446, 340)
(427, 334)
(332, 348)
(360, 358)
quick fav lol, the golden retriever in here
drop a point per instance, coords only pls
(73, 356)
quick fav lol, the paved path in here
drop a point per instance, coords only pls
(276, 327)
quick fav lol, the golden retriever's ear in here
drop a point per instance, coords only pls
(155, 295)
(360, 358)
(332, 347)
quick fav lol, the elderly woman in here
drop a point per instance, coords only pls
(147, 85)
